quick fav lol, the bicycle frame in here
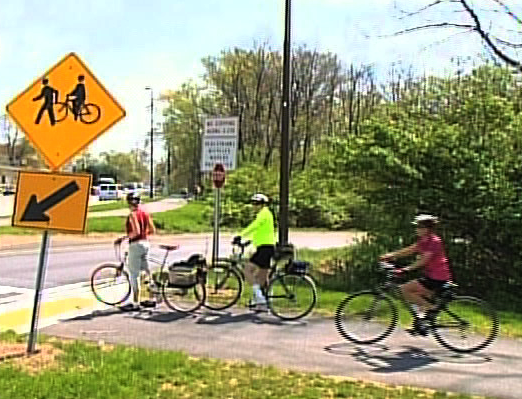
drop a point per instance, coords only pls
(275, 272)
(392, 288)
(123, 260)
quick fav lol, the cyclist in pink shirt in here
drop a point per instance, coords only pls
(432, 258)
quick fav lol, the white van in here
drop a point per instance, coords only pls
(109, 192)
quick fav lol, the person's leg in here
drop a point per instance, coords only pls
(416, 293)
(261, 259)
(261, 276)
(39, 115)
(134, 266)
(250, 270)
(51, 115)
(144, 248)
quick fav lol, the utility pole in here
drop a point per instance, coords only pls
(151, 193)
(284, 179)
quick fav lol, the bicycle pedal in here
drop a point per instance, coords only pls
(148, 304)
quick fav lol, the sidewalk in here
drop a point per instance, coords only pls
(311, 345)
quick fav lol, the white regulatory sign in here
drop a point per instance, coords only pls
(219, 144)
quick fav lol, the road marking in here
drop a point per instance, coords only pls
(7, 289)
(21, 318)
(21, 252)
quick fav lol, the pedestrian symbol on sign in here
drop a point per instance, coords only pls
(50, 97)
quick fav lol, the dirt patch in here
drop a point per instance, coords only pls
(15, 353)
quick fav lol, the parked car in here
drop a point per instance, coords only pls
(109, 192)
(8, 190)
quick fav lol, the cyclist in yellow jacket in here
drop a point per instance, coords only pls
(262, 232)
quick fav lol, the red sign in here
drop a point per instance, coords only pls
(218, 175)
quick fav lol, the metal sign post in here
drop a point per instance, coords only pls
(57, 201)
(218, 176)
(215, 241)
(40, 278)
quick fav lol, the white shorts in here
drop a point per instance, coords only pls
(138, 252)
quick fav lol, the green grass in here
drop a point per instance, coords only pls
(331, 292)
(190, 218)
(18, 231)
(88, 371)
(121, 204)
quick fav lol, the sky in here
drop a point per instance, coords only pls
(131, 44)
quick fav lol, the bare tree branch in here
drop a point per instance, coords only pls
(506, 43)
(431, 26)
(485, 36)
(411, 13)
(508, 11)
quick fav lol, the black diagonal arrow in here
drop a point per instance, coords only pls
(35, 211)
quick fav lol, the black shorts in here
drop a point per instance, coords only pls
(431, 284)
(262, 256)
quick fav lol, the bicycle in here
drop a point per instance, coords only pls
(451, 314)
(182, 287)
(291, 286)
(89, 113)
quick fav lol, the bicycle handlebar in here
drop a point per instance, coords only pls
(387, 266)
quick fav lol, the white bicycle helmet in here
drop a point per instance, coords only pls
(425, 219)
(259, 199)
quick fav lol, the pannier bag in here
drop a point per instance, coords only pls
(182, 274)
(297, 267)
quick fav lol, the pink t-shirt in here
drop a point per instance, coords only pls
(437, 267)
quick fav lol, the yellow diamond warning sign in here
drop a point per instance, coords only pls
(64, 110)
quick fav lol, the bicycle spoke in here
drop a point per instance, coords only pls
(365, 317)
(465, 324)
(224, 287)
(184, 299)
(110, 285)
(291, 296)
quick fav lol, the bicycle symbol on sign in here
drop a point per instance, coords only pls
(88, 113)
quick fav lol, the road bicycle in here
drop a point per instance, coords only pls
(89, 113)
(290, 293)
(182, 287)
(453, 319)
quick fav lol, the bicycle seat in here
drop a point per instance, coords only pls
(449, 285)
(169, 247)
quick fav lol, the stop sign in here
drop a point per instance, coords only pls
(218, 175)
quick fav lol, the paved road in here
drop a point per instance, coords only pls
(313, 345)
(72, 263)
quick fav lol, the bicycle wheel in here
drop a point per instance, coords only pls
(223, 286)
(184, 300)
(110, 285)
(60, 111)
(465, 324)
(372, 313)
(90, 113)
(291, 296)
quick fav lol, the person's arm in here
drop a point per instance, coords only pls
(252, 226)
(420, 262)
(401, 252)
(135, 227)
(38, 97)
(152, 228)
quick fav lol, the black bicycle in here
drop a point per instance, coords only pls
(89, 113)
(291, 293)
(462, 324)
